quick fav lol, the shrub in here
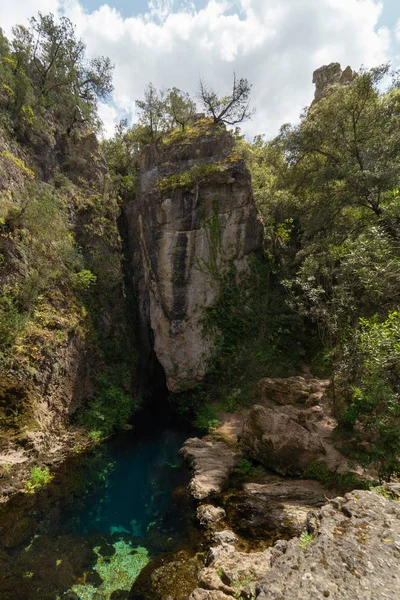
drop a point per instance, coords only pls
(39, 477)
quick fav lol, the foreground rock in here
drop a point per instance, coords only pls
(211, 461)
(353, 551)
(193, 216)
(291, 425)
(231, 573)
(355, 554)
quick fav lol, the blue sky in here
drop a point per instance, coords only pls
(128, 8)
(390, 13)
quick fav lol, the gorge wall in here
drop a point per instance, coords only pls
(58, 226)
(193, 216)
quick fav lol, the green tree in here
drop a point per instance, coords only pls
(153, 118)
(345, 151)
(16, 91)
(122, 153)
(337, 173)
(232, 109)
(180, 107)
(63, 79)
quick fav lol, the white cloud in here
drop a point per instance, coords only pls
(275, 44)
(109, 116)
(18, 12)
(398, 31)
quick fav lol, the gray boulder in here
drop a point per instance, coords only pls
(279, 442)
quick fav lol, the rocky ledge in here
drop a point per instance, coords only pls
(351, 550)
(211, 461)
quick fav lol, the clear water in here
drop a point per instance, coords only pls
(138, 489)
(89, 534)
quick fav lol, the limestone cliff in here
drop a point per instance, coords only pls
(192, 217)
(328, 76)
(58, 223)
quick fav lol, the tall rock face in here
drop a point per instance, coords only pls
(51, 346)
(193, 216)
(330, 75)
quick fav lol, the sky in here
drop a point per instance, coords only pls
(275, 44)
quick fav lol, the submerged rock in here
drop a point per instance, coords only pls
(211, 461)
(263, 511)
(208, 514)
(193, 216)
(168, 577)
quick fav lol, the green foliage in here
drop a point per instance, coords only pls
(152, 114)
(39, 477)
(386, 493)
(261, 332)
(345, 482)
(83, 280)
(206, 418)
(110, 409)
(327, 191)
(180, 107)
(39, 226)
(19, 163)
(162, 111)
(305, 539)
(122, 155)
(213, 230)
(247, 468)
(188, 179)
(373, 354)
(249, 344)
(44, 70)
(11, 319)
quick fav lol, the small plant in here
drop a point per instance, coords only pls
(19, 163)
(83, 279)
(385, 492)
(5, 469)
(247, 468)
(39, 477)
(244, 581)
(305, 539)
(188, 179)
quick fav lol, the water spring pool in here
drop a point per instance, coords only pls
(102, 519)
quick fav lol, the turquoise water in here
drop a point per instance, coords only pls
(100, 521)
(138, 490)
